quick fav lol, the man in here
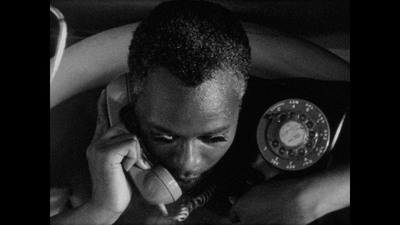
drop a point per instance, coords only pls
(189, 64)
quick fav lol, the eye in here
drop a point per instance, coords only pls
(214, 139)
(163, 138)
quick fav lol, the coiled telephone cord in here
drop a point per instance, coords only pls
(194, 203)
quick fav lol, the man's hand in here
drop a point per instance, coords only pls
(113, 150)
(272, 202)
(295, 201)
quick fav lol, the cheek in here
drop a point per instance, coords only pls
(172, 157)
(213, 155)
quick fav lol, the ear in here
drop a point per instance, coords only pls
(128, 117)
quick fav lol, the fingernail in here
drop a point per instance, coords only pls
(126, 165)
(146, 164)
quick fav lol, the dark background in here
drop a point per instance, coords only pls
(325, 22)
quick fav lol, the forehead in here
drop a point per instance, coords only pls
(168, 102)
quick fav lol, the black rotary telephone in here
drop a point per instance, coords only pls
(293, 134)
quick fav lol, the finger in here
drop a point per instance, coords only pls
(115, 131)
(122, 150)
(102, 107)
(163, 209)
(102, 120)
(143, 163)
(135, 158)
(131, 157)
(267, 170)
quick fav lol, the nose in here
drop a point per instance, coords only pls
(187, 159)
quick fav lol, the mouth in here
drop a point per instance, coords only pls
(188, 183)
(188, 178)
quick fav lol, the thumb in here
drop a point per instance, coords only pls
(143, 163)
(135, 158)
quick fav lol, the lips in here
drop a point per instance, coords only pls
(184, 176)
(187, 178)
(188, 184)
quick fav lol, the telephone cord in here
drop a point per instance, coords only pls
(194, 203)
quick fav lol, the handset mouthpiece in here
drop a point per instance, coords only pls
(156, 185)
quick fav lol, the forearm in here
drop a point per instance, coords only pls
(276, 55)
(91, 63)
(86, 214)
(327, 191)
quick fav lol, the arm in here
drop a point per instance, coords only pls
(294, 201)
(276, 55)
(95, 61)
(91, 63)
(326, 192)
(88, 213)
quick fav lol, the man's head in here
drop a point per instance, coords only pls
(192, 39)
(189, 62)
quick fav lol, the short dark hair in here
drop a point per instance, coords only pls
(192, 39)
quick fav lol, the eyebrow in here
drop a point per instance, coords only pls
(208, 133)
